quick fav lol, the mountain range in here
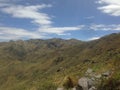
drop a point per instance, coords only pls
(38, 64)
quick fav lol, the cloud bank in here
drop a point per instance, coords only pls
(8, 33)
(111, 7)
(37, 17)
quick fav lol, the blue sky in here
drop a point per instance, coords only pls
(43, 19)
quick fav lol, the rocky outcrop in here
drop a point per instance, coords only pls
(90, 80)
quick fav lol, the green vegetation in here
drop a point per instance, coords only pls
(44, 64)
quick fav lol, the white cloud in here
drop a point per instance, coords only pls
(64, 34)
(60, 30)
(93, 38)
(111, 7)
(8, 33)
(43, 20)
(29, 12)
(104, 27)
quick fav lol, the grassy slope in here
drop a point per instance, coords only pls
(34, 64)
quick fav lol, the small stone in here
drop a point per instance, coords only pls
(106, 74)
(89, 71)
(93, 78)
(98, 76)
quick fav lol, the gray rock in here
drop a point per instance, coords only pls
(106, 74)
(90, 83)
(98, 76)
(93, 79)
(89, 71)
(86, 83)
(83, 82)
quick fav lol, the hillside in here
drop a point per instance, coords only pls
(43, 64)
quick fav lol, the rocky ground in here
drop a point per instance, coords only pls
(91, 80)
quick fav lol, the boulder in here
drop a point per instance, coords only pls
(83, 82)
(86, 83)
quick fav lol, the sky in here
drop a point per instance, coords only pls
(43, 19)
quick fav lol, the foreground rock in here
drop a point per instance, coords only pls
(90, 80)
(83, 82)
(86, 83)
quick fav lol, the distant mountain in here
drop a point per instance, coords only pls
(38, 64)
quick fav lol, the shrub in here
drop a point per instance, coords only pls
(68, 83)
